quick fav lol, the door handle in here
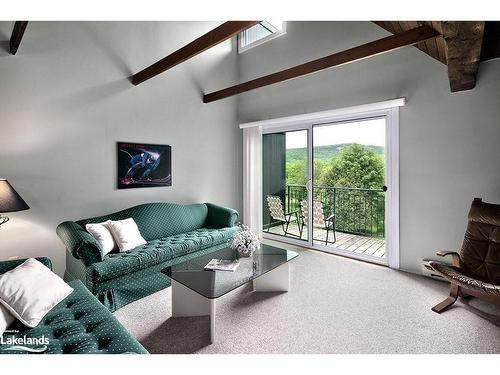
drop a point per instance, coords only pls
(309, 185)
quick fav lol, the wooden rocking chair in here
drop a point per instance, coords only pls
(476, 270)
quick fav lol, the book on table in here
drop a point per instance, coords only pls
(222, 265)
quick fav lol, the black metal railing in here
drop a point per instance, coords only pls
(356, 210)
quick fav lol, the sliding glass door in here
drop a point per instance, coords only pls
(349, 185)
(285, 166)
(324, 186)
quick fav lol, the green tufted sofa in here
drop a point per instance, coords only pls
(77, 325)
(174, 233)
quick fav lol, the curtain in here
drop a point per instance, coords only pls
(252, 179)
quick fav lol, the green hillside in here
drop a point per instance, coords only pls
(323, 152)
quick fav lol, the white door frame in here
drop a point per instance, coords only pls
(388, 109)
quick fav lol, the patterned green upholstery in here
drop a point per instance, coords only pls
(77, 325)
(118, 292)
(173, 231)
(157, 220)
(156, 251)
(220, 217)
(79, 242)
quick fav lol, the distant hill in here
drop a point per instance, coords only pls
(324, 152)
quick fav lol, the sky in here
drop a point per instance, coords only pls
(368, 132)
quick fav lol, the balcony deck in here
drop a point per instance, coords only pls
(374, 247)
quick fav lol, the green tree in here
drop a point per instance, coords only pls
(355, 166)
(296, 173)
(320, 166)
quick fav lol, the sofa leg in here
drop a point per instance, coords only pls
(440, 307)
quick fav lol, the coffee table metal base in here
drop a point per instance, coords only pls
(186, 302)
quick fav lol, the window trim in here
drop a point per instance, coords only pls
(263, 40)
(252, 176)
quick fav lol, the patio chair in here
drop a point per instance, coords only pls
(319, 218)
(275, 206)
(476, 270)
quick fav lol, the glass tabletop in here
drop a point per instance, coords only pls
(214, 284)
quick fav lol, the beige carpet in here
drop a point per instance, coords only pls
(335, 305)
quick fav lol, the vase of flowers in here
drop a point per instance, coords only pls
(244, 241)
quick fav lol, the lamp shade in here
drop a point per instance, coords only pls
(10, 201)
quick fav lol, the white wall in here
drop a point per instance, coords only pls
(449, 149)
(65, 101)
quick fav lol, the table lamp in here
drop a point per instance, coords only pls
(10, 201)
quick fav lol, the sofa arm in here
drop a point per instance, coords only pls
(79, 242)
(8, 265)
(220, 217)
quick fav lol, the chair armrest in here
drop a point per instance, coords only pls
(79, 242)
(220, 217)
(455, 261)
(8, 265)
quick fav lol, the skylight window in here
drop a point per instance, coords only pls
(260, 33)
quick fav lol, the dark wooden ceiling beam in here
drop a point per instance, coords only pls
(463, 49)
(17, 36)
(204, 42)
(433, 47)
(374, 48)
(491, 41)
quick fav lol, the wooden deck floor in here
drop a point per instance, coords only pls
(374, 247)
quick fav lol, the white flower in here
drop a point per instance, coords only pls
(244, 240)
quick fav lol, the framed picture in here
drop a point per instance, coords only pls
(144, 165)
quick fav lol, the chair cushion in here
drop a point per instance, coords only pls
(155, 252)
(457, 276)
(78, 325)
(480, 253)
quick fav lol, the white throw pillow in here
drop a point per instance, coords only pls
(101, 232)
(126, 234)
(31, 290)
(6, 319)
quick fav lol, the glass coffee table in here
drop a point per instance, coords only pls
(195, 290)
